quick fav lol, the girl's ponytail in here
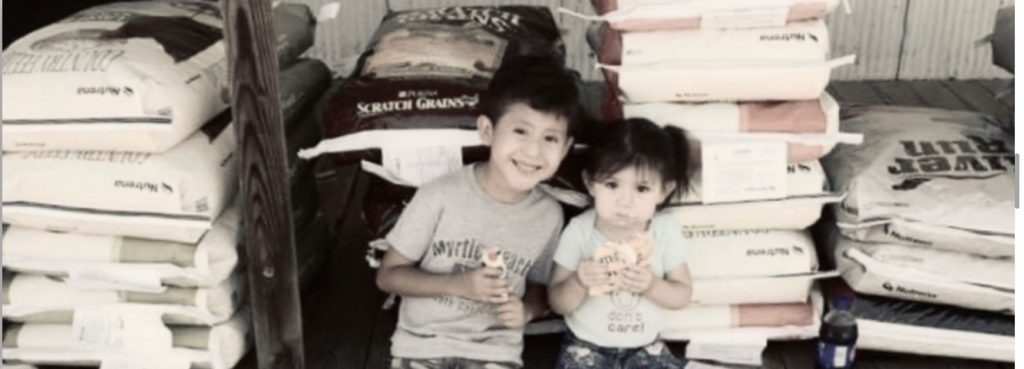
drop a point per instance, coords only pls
(684, 162)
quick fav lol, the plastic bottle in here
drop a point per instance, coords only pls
(837, 340)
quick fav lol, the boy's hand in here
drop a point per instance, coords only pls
(636, 279)
(484, 284)
(592, 273)
(512, 313)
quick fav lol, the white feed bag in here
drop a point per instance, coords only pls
(769, 289)
(802, 180)
(217, 347)
(789, 213)
(699, 81)
(130, 76)
(650, 15)
(934, 277)
(927, 177)
(676, 332)
(125, 260)
(40, 299)
(803, 41)
(750, 253)
(172, 196)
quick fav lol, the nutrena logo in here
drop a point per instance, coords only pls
(908, 291)
(490, 18)
(792, 36)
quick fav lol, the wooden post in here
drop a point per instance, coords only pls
(267, 224)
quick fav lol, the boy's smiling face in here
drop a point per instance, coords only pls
(526, 147)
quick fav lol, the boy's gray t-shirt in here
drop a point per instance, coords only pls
(444, 228)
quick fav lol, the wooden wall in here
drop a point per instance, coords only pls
(893, 39)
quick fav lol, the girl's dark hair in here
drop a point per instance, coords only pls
(639, 143)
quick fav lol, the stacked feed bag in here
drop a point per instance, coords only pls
(130, 76)
(897, 325)
(174, 195)
(198, 347)
(408, 112)
(738, 73)
(122, 236)
(788, 62)
(726, 263)
(927, 221)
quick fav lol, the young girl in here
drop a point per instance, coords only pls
(621, 263)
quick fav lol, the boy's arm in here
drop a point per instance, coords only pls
(535, 301)
(565, 292)
(674, 291)
(400, 275)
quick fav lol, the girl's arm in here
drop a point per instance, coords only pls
(568, 289)
(673, 292)
(565, 292)
(400, 275)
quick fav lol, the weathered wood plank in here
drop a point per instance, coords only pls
(267, 224)
(995, 87)
(542, 351)
(897, 93)
(872, 31)
(935, 48)
(857, 93)
(347, 298)
(892, 360)
(831, 90)
(379, 355)
(977, 97)
(936, 95)
(796, 354)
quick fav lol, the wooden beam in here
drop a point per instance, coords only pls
(263, 176)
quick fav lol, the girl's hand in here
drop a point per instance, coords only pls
(512, 313)
(484, 285)
(636, 279)
(592, 273)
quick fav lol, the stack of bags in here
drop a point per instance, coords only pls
(408, 113)
(122, 242)
(739, 76)
(925, 235)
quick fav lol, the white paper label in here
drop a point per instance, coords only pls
(119, 279)
(741, 171)
(328, 11)
(108, 329)
(146, 362)
(839, 358)
(774, 17)
(419, 165)
(96, 329)
(727, 349)
(694, 364)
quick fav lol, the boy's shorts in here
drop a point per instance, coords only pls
(449, 363)
(580, 354)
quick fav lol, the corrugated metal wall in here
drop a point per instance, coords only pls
(893, 39)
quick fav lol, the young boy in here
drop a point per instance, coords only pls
(455, 311)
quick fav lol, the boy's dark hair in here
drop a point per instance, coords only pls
(542, 83)
(637, 142)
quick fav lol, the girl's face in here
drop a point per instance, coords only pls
(628, 199)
